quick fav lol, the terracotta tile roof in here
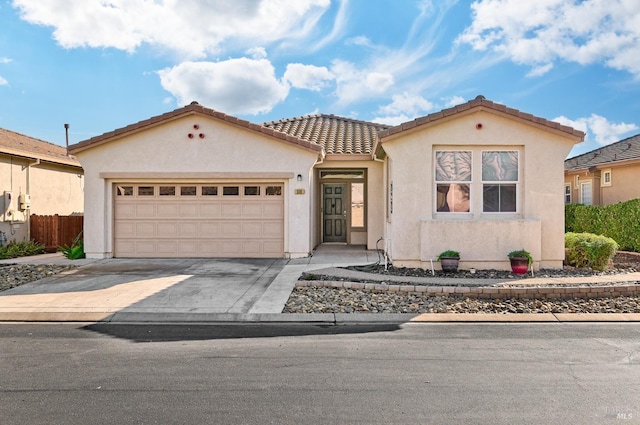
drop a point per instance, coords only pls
(337, 135)
(193, 108)
(481, 102)
(20, 145)
(625, 150)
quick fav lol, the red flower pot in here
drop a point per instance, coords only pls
(519, 265)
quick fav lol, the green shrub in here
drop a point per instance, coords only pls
(448, 254)
(620, 222)
(589, 250)
(76, 250)
(21, 249)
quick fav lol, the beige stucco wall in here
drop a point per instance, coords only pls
(375, 202)
(54, 189)
(418, 233)
(165, 153)
(624, 185)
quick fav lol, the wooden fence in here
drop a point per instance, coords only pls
(54, 231)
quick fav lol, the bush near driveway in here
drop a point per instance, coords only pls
(589, 250)
(620, 222)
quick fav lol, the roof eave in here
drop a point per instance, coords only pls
(71, 162)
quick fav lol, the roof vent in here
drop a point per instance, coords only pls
(194, 103)
(480, 97)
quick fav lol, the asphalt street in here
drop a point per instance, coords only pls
(102, 373)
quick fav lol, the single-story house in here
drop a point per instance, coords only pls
(479, 178)
(605, 175)
(36, 177)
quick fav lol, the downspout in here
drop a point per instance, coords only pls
(28, 192)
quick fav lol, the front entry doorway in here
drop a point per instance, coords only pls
(334, 213)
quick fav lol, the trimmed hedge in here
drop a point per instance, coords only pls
(620, 222)
(589, 250)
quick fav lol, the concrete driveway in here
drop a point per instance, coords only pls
(153, 288)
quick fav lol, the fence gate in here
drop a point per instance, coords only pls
(54, 231)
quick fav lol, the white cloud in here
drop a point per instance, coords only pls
(354, 84)
(4, 60)
(192, 29)
(404, 107)
(603, 131)
(308, 77)
(539, 33)
(3, 82)
(236, 86)
(452, 101)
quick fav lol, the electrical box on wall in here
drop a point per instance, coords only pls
(7, 205)
(24, 201)
(10, 210)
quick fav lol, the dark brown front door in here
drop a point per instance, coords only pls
(334, 212)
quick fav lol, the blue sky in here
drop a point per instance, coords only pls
(103, 64)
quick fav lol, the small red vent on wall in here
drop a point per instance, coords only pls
(190, 135)
(196, 126)
(479, 126)
(201, 135)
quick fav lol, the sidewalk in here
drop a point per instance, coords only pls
(141, 297)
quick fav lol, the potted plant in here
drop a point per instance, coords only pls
(449, 261)
(520, 261)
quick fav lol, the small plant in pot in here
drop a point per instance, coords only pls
(520, 261)
(449, 261)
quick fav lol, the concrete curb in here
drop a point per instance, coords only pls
(315, 318)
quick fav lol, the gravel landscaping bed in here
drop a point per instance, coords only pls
(316, 299)
(12, 275)
(340, 300)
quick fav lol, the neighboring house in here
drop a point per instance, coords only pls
(36, 177)
(479, 178)
(605, 175)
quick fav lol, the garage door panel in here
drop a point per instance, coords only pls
(167, 248)
(273, 210)
(145, 211)
(145, 248)
(125, 211)
(165, 229)
(188, 211)
(187, 229)
(251, 248)
(231, 248)
(209, 248)
(210, 229)
(213, 224)
(145, 229)
(188, 248)
(231, 229)
(125, 229)
(210, 210)
(272, 229)
(252, 230)
(253, 210)
(169, 210)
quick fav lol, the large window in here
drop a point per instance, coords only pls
(453, 181)
(481, 179)
(499, 181)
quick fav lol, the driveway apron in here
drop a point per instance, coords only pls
(158, 286)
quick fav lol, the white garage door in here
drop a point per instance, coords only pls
(199, 220)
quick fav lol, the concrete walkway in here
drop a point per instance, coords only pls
(201, 290)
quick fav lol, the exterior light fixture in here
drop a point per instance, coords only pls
(299, 178)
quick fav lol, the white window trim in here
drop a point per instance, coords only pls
(469, 182)
(567, 185)
(517, 183)
(476, 183)
(582, 184)
(603, 181)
